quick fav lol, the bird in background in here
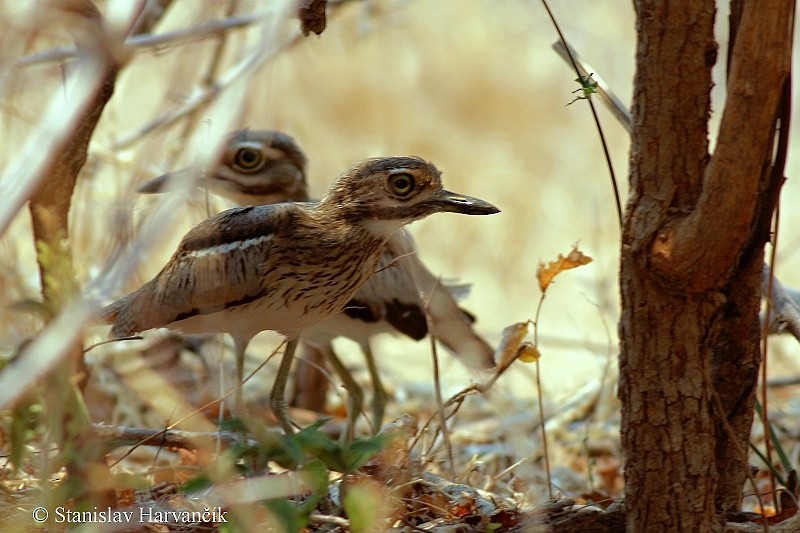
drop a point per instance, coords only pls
(264, 166)
(261, 166)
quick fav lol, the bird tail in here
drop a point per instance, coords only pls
(453, 327)
(110, 313)
(450, 324)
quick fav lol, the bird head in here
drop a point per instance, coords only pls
(255, 167)
(393, 191)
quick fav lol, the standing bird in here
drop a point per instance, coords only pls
(262, 166)
(286, 267)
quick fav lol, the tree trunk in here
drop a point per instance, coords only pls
(692, 250)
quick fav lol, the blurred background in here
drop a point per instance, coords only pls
(473, 86)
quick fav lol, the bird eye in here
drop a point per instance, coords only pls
(247, 159)
(402, 184)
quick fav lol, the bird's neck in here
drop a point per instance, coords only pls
(383, 229)
(356, 219)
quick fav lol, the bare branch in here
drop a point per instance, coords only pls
(151, 13)
(57, 127)
(167, 438)
(607, 96)
(141, 42)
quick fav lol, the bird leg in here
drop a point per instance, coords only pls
(310, 379)
(277, 398)
(355, 393)
(378, 391)
(239, 346)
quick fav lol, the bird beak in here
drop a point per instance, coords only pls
(174, 181)
(458, 203)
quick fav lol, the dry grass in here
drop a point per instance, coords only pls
(471, 85)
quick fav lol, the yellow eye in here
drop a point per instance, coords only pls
(248, 159)
(402, 184)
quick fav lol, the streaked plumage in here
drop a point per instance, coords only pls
(286, 267)
(262, 166)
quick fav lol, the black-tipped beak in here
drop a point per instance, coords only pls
(173, 181)
(467, 205)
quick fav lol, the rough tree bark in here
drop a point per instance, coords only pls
(692, 250)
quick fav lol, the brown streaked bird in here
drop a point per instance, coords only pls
(256, 167)
(263, 166)
(286, 267)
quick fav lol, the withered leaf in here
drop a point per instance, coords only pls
(312, 16)
(510, 343)
(528, 352)
(546, 273)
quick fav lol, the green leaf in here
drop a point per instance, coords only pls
(233, 424)
(315, 473)
(132, 481)
(362, 507)
(317, 444)
(360, 451)
(287, 514)
(197, 483)
(24, 420)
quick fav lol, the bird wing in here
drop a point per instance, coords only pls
(222, 262)
(390, 294)
(241, 224)
(450, 324)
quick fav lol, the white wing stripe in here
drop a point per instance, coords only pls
(229, 246)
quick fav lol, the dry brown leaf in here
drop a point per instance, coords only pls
(126, 497)
(312, 16)
(435, 504)
(465, 508)
(528, 353)
(510, 343)
(594, 498)
(609, 472)
(393, 466)
(574, 259)
(506, 518)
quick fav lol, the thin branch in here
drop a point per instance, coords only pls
(596, 118)
(151, 13)
(540, 396)
(787, 381)
(58, 125)
(136, 43)
(167, 438)
(405, 259)
(200, 410)
(324, 519)
(204, 95)
(607, 96)
(768, 434)
(142, 42)
(209, 81)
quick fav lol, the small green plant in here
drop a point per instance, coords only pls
(587, 89)
(310, 454)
